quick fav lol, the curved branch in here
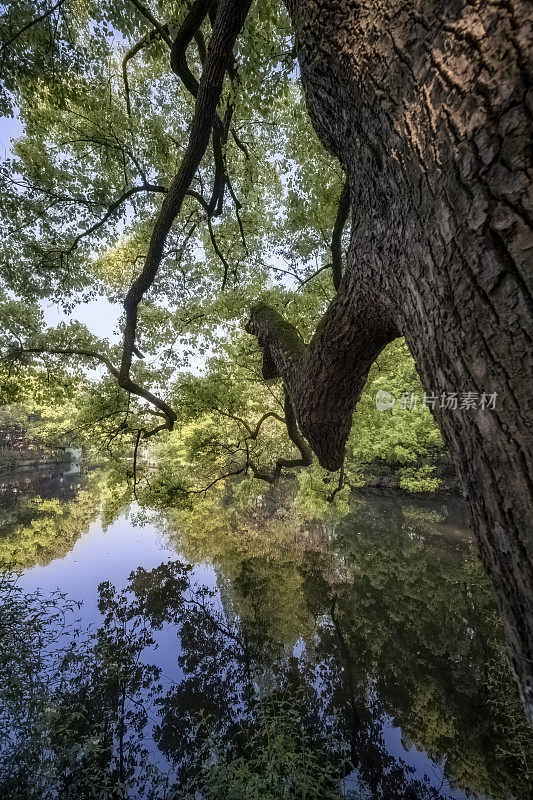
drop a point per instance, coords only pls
(223, 477)
(271, 476)
(240, 144)
(306, 454)
(64, 351)
(201, 46)
(269, 415)
(130, 385)
(129, 55)
(146, 187)
(325, 379)
(148, 38)
(340, 485)
(289, 420)
(179, 65)
(230, 18)
(30, 25)
(238, 206)
(206, 206)
(150, 17)
(178, 57)
(217, 195)
(253, 433)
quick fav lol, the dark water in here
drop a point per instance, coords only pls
(371, 631)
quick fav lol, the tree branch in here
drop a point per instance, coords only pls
(216, 480)
(146, 187)
(324, 380)
(289, 420)
(206, 206)
(306, 454)
(129, 55)
(150, 17)
(240, 144)
(130, 386)
(178, 54)
(230, 18)
(253, 433)
(30, 25)
(238, 206)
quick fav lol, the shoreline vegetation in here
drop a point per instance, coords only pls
(397, 449)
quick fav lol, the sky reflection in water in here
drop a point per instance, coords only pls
(381, 620)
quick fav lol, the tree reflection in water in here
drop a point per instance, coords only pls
(319, 644)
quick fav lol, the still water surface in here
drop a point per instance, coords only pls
(376, 623)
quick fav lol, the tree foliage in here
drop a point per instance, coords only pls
(106, 123)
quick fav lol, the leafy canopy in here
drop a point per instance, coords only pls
(105, 127)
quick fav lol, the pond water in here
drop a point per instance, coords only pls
(358, 651)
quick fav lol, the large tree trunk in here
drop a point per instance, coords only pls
(426, 106)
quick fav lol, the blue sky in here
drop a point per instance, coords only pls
(9, 129)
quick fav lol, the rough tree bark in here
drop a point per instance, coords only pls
(426, 104)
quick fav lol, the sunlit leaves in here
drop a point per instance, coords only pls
(81, 191)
